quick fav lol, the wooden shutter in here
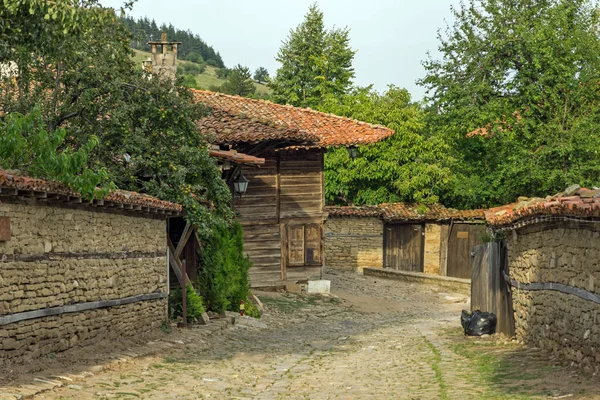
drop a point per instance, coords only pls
(296, 245)
(312, 244)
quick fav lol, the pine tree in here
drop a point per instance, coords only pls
(239, 82)
(261, 75)
(315, 63)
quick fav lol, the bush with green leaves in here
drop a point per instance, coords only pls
(28, 146)
(189, 68)
(223, 280)
(194, 57)
(222, 73)
(194, 304)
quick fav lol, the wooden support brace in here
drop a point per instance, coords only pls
(185, 236)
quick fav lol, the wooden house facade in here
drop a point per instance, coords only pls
(283, 211)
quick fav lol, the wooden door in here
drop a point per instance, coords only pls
(403, 247)
(462, 239)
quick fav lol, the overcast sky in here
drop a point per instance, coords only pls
(392, 36)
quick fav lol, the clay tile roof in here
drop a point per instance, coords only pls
(406, 212)
(237, 158)
(354, 211)
(239, 119)
(17, 185)
(573, 202)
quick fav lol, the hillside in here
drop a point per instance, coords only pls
(204, 80)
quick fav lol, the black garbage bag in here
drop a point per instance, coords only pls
(478, 323)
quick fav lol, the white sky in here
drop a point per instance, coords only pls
(392, 36)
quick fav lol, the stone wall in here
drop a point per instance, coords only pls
(352, 243)
(431, 259)
(562, 323)
(62, 256)
(25, 340)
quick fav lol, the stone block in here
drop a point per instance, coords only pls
(319, 287)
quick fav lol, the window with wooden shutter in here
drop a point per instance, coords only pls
(304, 245)
(296, 245)
(312, 244)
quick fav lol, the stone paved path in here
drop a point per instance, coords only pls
(372, 339)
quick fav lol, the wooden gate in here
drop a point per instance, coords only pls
(489, 290)
(462, 239)
(404, 247)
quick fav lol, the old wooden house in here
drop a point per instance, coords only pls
(283, 210)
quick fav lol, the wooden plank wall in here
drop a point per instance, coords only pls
(301, 184)
(258, 216)
(301, 202)
(259, 203)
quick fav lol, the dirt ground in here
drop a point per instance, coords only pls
(370, 339)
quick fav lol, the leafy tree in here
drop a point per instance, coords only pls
(515, 95)
(405, 167)
(261, 75)
(74, 61)
(314, 63)
(239, 82)
(27, 146)
(189, 80)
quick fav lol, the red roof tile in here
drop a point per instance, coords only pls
(35, 187)
(238, 119)
(237, 158)
(574, 202)
(406, 212)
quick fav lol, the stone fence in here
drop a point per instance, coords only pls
(554, 269)
(353, 243)
(73, 276)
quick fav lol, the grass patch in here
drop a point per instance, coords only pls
(435, 366)
(501, 378)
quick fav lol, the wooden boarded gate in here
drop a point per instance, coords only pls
(460, 243)
(404, 247)
(489, 290)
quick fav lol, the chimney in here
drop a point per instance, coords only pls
(164, 58)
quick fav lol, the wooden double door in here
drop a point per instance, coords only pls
(404, 246)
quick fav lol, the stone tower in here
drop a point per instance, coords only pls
(164, 58)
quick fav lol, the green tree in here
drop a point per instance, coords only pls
(315, 63)
(408, 166)
(515, 95)
(27, 146)
(261, 75)
(239, 82)
(73, 60)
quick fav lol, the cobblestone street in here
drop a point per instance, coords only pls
(371, 338)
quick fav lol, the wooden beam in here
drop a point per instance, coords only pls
(73, 308)
(185, 236)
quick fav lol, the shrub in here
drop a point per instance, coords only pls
(223, 280)
(194, 57)
(194, 304)
(194, 69)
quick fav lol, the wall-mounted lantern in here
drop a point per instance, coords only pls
(240, 185)
(352, 152)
